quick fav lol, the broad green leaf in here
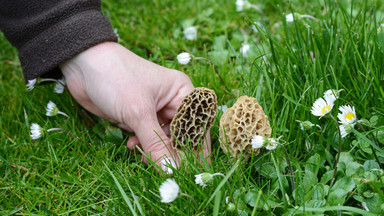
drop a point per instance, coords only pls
(368, 194)
(346, 183)
(358, 198)
(354, 169)
(374, 203)
(345, 157)
(308, 180)
(251, 197)
(219, 57)
(380, 136)
(316, 203)
(298, 194)
(326, 177)
(313, 163)
(318, 192)
(373, 120)
(370, 176)
(337, 197)
(219, 43)
(371, 164)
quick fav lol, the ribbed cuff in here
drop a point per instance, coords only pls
(42, 55)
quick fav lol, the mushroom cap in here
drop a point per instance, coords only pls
(194, 118)
(240, 123)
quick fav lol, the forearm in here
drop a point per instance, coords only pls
(47, 33)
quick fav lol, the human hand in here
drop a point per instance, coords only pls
(137, 95)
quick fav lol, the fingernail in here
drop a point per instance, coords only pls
(167, 164)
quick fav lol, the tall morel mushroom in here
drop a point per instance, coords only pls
(239, 123)
(194, 117)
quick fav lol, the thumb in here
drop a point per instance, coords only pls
(156, 144)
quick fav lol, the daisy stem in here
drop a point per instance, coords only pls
(338, 151)
(61, 129)
(244, 35)
(53, 80)
(218, 174)
(256, 8)
(309, 16)
(190, 197)
(64, 114)
(216, 71)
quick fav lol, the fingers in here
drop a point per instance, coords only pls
(156, 144)
(133, 142)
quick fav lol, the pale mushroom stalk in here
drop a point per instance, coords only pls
(216, 71)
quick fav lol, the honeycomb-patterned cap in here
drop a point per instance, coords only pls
(240, 123)
(194, 117)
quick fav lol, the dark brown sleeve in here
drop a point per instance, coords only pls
(47, 33)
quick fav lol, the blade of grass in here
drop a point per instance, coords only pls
(125, 197)
(222, 183)
(216, 206)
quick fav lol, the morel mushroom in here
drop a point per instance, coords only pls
(194, 117)
(239, 123)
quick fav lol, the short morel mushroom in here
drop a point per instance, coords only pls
(194, 118)
(240, 123)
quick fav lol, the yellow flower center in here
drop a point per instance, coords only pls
(350, 116)
(325, 108)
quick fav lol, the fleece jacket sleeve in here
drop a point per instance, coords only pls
(47, 33)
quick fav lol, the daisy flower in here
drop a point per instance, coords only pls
(289, 17)
(259, 24)
(306, 125)
(292, 16)
(169, 191)
(272, 144)
(244, 49)
(347, 115)
(322, 107)
(259, 141)
(231, 207)
(31, 84)
(36, 131)
(167, 164)
(203, 179)
(184, 58)
(59, 87)
(332, 94)
(52, 110)
(242, 5)
(346, 129)
(190, 33)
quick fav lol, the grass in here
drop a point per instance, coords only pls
(289, 66)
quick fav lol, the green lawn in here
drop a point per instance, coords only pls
(89, 171)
